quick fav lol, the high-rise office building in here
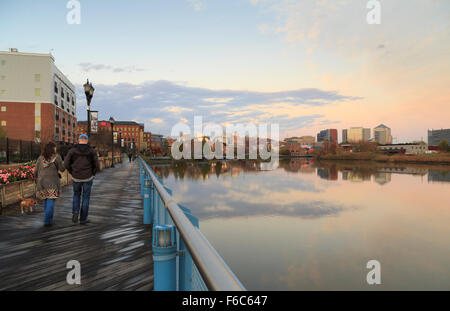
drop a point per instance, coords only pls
(382, 134)
(327, 135)
(357, 134)
(37, 101)
(436, 136)
(344, 135)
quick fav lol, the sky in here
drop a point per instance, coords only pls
(307, 65)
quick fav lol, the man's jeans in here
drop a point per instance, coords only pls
(78, 189)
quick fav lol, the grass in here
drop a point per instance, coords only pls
(434, 158)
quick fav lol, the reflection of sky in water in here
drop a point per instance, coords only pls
(314, 227)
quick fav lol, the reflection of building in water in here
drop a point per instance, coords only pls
(434, 175)
(355, 176)
(382, 178)
(299, 165)
(345, 175)
(404, 170)
(328, 173)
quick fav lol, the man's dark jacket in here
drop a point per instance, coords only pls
(82, 162)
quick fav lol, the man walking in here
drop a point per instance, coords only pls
(82, 163)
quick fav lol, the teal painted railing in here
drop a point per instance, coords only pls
(183, 258)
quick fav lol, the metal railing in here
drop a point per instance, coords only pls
(198, 265)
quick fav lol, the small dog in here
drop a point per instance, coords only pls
(26, 204)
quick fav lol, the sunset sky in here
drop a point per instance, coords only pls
(307, 65)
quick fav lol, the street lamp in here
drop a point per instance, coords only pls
(89, 91)
(112, 121)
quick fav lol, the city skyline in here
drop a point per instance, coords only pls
(308, 65)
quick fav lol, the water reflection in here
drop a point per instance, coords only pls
(238, 188)
(353, 172)
(321, 221)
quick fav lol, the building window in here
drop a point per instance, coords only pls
(37, 78)
(37, 92)
(62, 92)
(56, 88)
(3, 92)
(3, 109)
(3, 123)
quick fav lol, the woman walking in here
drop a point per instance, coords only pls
(48, 180)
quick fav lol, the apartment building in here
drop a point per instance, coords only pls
(37, 101)
(132, 133)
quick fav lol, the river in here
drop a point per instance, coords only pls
(314, 226)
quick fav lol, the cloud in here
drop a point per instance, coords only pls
(341, 26)
(235, 196)
(157, 120)
(162, 104)
(176, 109)
(197, 5)
(87, 67)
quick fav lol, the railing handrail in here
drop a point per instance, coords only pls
(213, 269)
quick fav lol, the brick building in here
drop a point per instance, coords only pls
(37, 101)
(147, 140)
(157, 144)
(132, 133)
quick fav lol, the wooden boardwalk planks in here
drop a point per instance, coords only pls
(114, 249)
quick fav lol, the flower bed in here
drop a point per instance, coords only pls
(11, 175)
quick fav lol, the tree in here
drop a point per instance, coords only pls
(443, 145)
(2, 133)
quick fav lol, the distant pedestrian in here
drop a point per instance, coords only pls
(48, 186)
(130, 156)
(82, 163)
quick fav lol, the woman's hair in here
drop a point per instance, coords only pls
(49, 151)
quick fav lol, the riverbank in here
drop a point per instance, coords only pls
(437, 158)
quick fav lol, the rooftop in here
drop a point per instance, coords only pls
(117, 122)
(382, 126)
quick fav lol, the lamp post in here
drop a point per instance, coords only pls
(89, 91)
(112, 121)
(120, 142)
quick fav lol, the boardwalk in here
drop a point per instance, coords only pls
(114, 249)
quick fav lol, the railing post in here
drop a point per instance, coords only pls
(147, 200)
(185, 267)
(164, 258)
